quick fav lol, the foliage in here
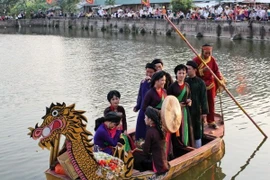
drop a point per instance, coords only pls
(16, 6)
(181, 5)
(28, 6)
(110, 2)
(67, 5)
(6, 5)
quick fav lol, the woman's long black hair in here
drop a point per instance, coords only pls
(154, 115)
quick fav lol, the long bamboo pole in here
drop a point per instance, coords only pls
(56, 146)
(221, 108)
(228, 92)
(54, 149)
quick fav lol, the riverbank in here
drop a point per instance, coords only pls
(224, 29)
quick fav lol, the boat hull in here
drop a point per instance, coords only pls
(213, 148)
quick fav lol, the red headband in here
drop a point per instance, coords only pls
(207, 48)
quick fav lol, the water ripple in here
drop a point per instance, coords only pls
(38, 70)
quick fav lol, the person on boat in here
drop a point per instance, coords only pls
(107, 135)
(180, 89)
(154, 144)
(144, 87)
(155, 97)
(156, 94)
(159, 67)
(199, 106)
(114, 98)
(211, 85)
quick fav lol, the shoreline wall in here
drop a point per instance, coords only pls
(224, 29)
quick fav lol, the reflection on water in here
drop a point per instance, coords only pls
(210, 172)
(249, 159)
(210, 168)
(40, 66)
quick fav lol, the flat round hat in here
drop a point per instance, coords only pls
(171, 114)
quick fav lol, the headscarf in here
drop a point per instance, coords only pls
(110, 116)
(154, 115)
(192, 64)
(158, 75)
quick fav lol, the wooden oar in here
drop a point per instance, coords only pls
(228, 92)
(221, 109)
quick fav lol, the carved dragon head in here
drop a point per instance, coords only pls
(60, 119)
(65, 120)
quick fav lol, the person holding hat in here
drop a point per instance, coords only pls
(180, 89)
(114, 98)
(144, 87)
(211, 85)
(156, 94)
(199, 106)
(159, 67)
(153, 145)
(107, 135)
(155, 97)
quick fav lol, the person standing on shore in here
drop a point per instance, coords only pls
(211, 85)
(199, 108)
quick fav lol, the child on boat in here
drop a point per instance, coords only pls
(153, 146)
(114, 98)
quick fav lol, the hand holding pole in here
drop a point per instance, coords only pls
(218, 80)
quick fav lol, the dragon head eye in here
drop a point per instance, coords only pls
(55, 113)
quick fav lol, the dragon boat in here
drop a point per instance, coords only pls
(61, 120)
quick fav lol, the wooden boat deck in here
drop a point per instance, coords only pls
(215, 132)
(212, 144)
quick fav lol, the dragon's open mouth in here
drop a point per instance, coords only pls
(47, 130)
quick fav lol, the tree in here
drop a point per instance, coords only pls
(28, 6)
(110, 3)
(16, 6)
(67, 5)
(6, 5)
(181, 5)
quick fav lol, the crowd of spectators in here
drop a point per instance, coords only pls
(32, 15)
(46, 14)
(236, 13)
(221, 12)
(3, 18)
(130, 13)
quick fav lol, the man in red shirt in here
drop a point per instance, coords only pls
(211, 86)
